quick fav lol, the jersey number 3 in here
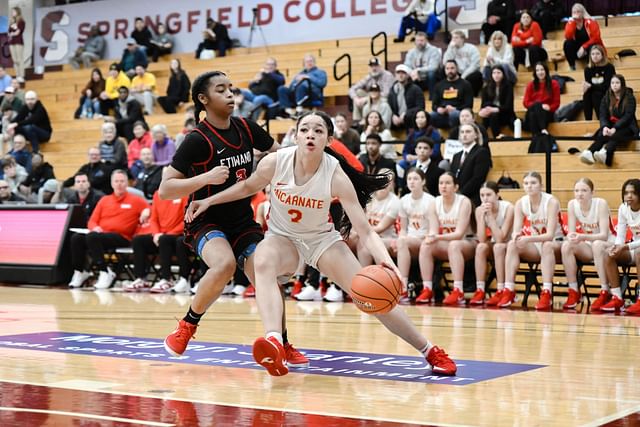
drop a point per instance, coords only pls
(241, 174)
(296, 215)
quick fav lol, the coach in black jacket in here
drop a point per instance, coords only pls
(471, 171)
(405, 99)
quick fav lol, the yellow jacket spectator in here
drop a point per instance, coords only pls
(143, 87)
(115, 80)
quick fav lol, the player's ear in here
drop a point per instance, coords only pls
(203, 98)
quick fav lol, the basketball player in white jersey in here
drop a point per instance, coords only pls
(494, 219)
(589, 221)
(413, 221)
(304, 179)
(450, 238)
(622, 252)
(542, 211)
(382, 213)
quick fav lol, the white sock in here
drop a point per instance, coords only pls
(604, 286)
(510, 286)
(574, 286)
(425, 350)
(427, 284)
(457, 284)
(617, 292)
(276, 335)
(480, 286)
(500, 286)
(547, 286)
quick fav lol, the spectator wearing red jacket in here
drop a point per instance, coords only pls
(526, 40)
(541, 99)
(580, 33)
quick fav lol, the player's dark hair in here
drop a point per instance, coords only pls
(200, 85)
(364, 184)
(635, 183)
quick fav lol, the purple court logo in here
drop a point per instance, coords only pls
(323, 362)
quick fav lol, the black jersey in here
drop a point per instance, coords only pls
(206, 147)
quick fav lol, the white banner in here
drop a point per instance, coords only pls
(61, 29)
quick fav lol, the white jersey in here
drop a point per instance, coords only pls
(503, 206)
(628, 219)
(415, 211)
(538, 220)
(300, 211)
(449, 220)
(378, 209)
(589, 223)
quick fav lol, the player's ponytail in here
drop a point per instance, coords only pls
(200, 85)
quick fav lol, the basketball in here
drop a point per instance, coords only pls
(375, 289)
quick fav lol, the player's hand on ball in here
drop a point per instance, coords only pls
(218, 175)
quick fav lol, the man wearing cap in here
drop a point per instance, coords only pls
(132, 56)
(405, 99)
(450, 96)
(425, 61)
(11, 100)
(115, 80)
(358, 92)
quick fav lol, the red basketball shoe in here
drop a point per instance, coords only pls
(508, 298)
(176, 343)
(456, 297)
(250, 292)
(615, 304)
(295, 359)
(573, 299)
(477, 298)
(603, 298)
(634, 309)
(270, 354)
(425, 296)
(496, 298)
(546, 300)
(297, 288)
(440, 362)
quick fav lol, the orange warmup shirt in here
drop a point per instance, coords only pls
(167, 216)
(118, 214)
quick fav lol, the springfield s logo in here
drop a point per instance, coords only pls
(56, 40)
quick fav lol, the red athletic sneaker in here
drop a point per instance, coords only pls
(425, 296)
(440, 362)
(270, 354)
(615, 304)
(508, 298)
(297, 288)
(250, 292)
(546, 300)
(176, 343)
(634, 309)
(496, 298)
(477, 298)
(573, 299)
(295, 359)
(602, 299)
(456, 297)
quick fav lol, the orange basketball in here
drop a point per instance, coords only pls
(375, 289)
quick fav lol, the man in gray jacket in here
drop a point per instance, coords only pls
(92, 50)
(425, 61)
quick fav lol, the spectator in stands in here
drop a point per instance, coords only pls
(142, 139)
(375, 102)
(597, 79)
(543, 243)
(541, 99)
(376, 125)
(143, 88)
(16, 42)
(263, 89)
(113, 150)
(580, 33)
(6, 195)
(142, 35)
(427, 161)
(160, 44)
(189, 125)
(41, 172)
(178, 89)
(11, 100)
(373, 160)
(405, 99)
(467, 58)
(471, 165)
(425, 62)
(83, 195)
(346, 134)
(501, 15)
(32, 121)
(526, 40)
(422, 129)
(21, 152)
(97, 171)
(306, 87)
(115, 79)
(91, 51)
(111, 226)
(242, 107)
(467, 118)
(7, 133)
(548, 13)
(166, 239)
(90, 98)
(358, 93)
(215, 37)
(132, 56)
(617, 122)
(149, 174)
(449, 97)
(128, 111)
(13, 173)
(18, 91)
(163, 147)
(419, 16)
(621, 252)
(496, 109)
(499, 53)
(5, 82)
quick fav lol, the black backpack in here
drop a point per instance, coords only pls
(543, 143)
(505, 181)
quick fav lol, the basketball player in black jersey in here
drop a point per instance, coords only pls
(214, 156)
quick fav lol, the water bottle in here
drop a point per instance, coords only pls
(517, 128)
(482, 38)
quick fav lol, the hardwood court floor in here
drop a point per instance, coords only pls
(92, 358)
